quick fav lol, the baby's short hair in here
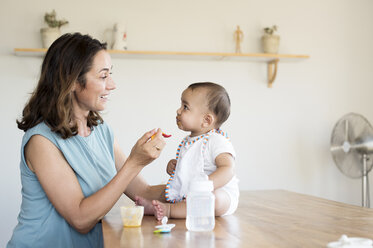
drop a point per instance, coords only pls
(218, 100)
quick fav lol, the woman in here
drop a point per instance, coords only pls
(72, 169)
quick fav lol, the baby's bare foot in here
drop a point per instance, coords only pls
(148, 207)
(161, 209)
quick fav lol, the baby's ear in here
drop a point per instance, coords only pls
(208, 120)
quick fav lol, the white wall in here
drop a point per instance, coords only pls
(281, 135)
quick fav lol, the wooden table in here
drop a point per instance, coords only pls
(268, 218)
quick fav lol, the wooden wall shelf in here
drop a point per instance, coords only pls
(271, 59)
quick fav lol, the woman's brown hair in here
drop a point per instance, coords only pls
(66, 62)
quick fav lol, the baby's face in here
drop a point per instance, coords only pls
(192, 111)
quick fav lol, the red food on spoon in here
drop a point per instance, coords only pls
(163, 134)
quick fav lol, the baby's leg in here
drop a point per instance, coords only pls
(222, 202)
(148, 206)
(178, 210)
(174, 210)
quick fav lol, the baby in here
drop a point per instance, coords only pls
(204, 108)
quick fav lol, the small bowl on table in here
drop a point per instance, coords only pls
(132, 215)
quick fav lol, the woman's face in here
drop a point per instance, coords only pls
(99, 84)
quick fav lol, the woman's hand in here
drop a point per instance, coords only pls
(146, 149)
(171, 166)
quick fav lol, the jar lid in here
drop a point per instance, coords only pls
(345, 242)
(201, 186)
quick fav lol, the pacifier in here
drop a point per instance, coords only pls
(164, 228)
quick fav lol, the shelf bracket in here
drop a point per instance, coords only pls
(272, 71)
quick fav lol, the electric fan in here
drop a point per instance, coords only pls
(351, 146)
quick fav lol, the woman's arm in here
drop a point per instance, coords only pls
(224, 171)
(138, 186)
(63, 189)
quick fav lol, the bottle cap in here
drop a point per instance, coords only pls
(201, 186)
(347, 242)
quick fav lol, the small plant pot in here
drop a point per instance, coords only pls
(49, 35)
(270, 43)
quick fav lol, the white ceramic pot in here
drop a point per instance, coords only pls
(116, 38)
(270, 43)
(49, 35)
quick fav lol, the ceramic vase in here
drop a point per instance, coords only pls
(49, 35)
(119, 37)
(270, 43)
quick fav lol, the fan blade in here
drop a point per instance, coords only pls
(349, 164)
(346, 143)
(346, 130)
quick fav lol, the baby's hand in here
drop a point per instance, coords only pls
(171, 166)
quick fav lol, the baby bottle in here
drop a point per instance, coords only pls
(200, 204)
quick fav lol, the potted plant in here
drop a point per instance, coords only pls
(52, 32)
(270, 41)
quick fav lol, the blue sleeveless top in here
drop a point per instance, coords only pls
(39, 223)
